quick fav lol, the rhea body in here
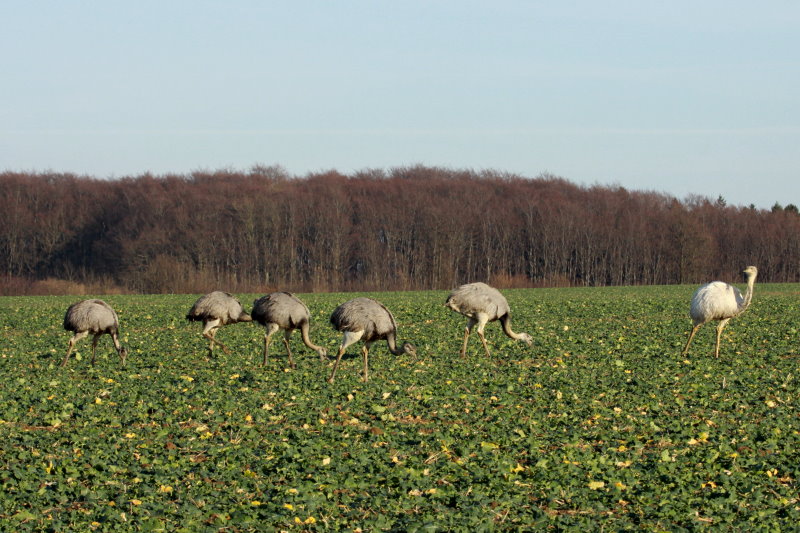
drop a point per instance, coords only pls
(482, 304)
(95, 317)
(719, 301)
(217, 309)
(284, 310)
(367, 320)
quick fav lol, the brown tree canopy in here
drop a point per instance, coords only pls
(405, 228)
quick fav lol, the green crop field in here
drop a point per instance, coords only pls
(600, 425)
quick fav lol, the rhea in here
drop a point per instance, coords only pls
(217, 309)
(95, 317)
(719, 301)
(482, 304)
(368, 320)
(284, 310)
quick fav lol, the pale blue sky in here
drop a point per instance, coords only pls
(679, 97)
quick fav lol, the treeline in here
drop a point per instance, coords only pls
(405, 228)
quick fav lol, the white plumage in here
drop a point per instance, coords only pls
(368, 320)
(482, 304)
(284, 310)
(720, 301)
(95, 317)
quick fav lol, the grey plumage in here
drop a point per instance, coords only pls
(719, 301)
(482, 304)
(368, 320)
(217, 309)
(284, 310)
(95, 317)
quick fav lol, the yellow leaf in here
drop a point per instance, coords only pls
(136, 502)
(165, 489)
(595, 485)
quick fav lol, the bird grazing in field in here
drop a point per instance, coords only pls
(482, 304)
(368, 320)
(283, 310)
(95, 317)
(719, 301)
(217, 309)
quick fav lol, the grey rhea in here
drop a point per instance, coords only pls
(217, 309)
(284, 310)
(367, 320)
(95, 317)
(482, 304)
(719, 301)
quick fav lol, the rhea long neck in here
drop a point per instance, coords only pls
(505, 321)
(748, 294)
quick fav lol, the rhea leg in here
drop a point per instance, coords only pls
(94, 344)
(286, 335)
(349, 338)
(467, 330)
(271, 329)
(691, 336)
(209, 331)
(482, 320)
(720, 327)
(75, 338)
(365, 351)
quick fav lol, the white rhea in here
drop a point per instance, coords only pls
(482, 304)
(719, 301)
